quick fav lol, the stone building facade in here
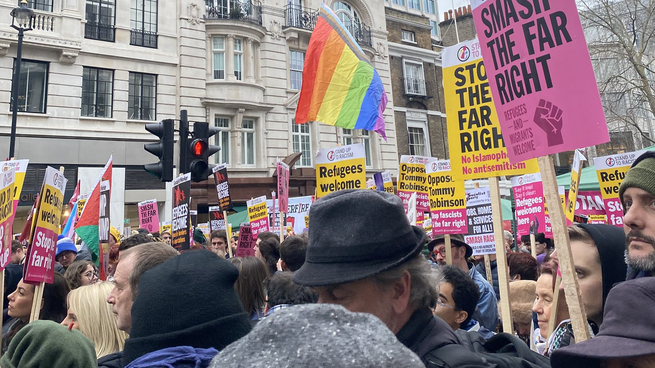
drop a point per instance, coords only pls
(95, 72)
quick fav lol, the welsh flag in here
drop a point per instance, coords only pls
(87, 227)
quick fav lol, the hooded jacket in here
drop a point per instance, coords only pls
(177, 357)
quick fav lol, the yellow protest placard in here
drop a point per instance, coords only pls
(447, 199)
(340, 168)
(258, 215)
(388, 182)
(569, 209)
(412, 179)
(477, 148)
(611, 172)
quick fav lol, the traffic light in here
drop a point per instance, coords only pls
(163, 149)
(199, 151)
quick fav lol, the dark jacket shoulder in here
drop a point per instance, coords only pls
(111, 360)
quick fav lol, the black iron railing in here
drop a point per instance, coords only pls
(414, 86)
(102, 32)
(143, 38)
(299, 17)
(246, 11)
(361, 33)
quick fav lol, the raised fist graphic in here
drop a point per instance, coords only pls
(549, 118)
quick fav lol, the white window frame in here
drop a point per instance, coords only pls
(244, 141)
(435, 28)
(414, 4)
(294, 71)
(238, 58)
(423, 125)
(419, 88)
(224, 135)
(347, 136)
(407, 36)
(365, 136)
(218, 53)
(399, 2)
(302, 134)
(430, 6)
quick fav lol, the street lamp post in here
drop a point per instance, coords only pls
(22, 19)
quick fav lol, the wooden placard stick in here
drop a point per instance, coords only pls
(487, 269)
(552, 322)
(228, 235)
(449, 251)
(282, 227)
(501, 260)
(533, 248)
(563, 247)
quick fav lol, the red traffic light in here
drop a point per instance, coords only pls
(198, 147)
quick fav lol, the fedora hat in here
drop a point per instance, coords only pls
(355, 234)
(622, 334)
(456, 239)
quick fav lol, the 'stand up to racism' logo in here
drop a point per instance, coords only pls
(609, 161)
(434, 166)
(330, 156)
(464, 53)
(521, 180)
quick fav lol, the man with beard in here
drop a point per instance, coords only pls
(637, 193)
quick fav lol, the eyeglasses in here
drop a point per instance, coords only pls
(91, 275)
(443, 305)
(442, 251)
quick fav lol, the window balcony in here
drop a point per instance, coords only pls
(101, 32)
(143, 38)
(299, 17)
(246, 11)
(414, 86)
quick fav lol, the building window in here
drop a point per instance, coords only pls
(296, 62)
(32, 86)
(218, 48)
(414, 80)
(347, 136)
(435, 28)
(100, 20)
(97, 92)
(399, 2)
(366, 140)
(620, 142)
(143, 23)
(414, 4)
(142, 97)
(418, 139)
(45, 5)
(248, 142)
(430, 7)
(408, 36)
(238, 59)
(302, 142)
(223, 139)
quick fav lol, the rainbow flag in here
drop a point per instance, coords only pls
(340, 86)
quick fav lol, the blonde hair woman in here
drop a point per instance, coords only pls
(89, 312)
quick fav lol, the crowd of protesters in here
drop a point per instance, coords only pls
(355, 291)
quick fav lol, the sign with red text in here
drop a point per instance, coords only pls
(180, 224)
(222, 187)
(480, 234)
(258, 215)
(611, 172)
(295, 214)
(541, 77)
(149, 215)
(447, 199)
(283, 184)
(40, 262)
(247, 241)
(7, 181)
(477, 148)
(529, 202)
(216, 219)
(412, 179)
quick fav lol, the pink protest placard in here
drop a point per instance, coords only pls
(149, 215)
(529, 202)
(283, 185)
(246, 243)
(589, 203)
(540, 74)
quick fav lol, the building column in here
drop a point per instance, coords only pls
(210, 58)
(236, 138)
(249, 61)
(229, 58)
(257, 63)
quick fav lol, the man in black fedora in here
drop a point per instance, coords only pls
(364, 255)
(487, 310)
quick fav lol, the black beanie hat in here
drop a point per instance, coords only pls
(610, 242)
(188, 300)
